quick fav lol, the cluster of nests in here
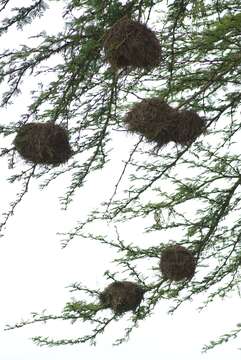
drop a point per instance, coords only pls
(48, 143)
(130, 43)
(127, 44)
(176, 264)
(159, 123)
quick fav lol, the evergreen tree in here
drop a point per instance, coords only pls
(188, 192)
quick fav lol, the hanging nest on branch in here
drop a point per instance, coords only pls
(43, 143)
(122, 296)
(154, 119)
(160, 123)
(177, 263)
(130, 43)
(189, 125)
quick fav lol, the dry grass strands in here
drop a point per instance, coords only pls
(130, 43)
(177, 263)
(43, 143)
(122, 296)
(154, 119)
(189, 125)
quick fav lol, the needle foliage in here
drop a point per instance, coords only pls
(186, 194)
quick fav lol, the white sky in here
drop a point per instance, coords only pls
(34, 272)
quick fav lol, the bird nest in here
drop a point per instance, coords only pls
(130, 43)
(177, 263)
(43, 143)
(160, 123)
(122, 296)
(154, 119)
(189, 125)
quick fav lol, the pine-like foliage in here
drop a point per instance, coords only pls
(185, 194)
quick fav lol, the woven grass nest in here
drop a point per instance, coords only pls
(130, 43)
(189, 125)
(43, 143)
(177, 263)
(154, 119)
(122, 296)
(160, 123)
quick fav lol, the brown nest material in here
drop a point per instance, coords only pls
(189, 125)
(122, 296)
(43, 143)
(154, 119)
(130, 43)
(177, 263)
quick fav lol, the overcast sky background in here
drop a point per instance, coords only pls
(34, 273)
